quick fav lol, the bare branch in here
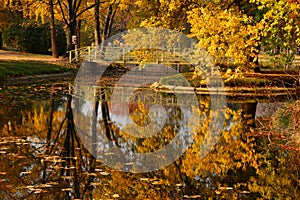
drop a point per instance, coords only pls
(87, 8)
(62, 12)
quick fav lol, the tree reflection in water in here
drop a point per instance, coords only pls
(244, 163)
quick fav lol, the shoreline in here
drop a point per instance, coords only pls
(32, 79)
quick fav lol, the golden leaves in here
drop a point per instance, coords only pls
(226, 34)
(230, 151)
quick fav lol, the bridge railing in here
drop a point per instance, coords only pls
(124, 55)
(79, 54)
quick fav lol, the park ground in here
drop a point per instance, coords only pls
(18, 68)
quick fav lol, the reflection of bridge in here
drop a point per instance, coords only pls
(177, 95)
(131, 95)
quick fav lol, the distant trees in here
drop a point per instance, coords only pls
(73, 13)
(231, 31)
(33, 37)
(67, 11)
(280, 29)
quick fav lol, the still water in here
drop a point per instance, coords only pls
(55, 146)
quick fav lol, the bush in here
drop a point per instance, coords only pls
(33, 37)
(0, 40)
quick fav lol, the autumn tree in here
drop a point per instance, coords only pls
(44, 10)
(9, 13)
(52, 29)
(97, 22)
(113, 17)
(71, 10)
(280, 29)
(231, 31)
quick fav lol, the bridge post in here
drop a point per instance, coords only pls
(76, 53)
(96, 49)
(89, 53)
(94, 122)
(70, 56)
(123, 52)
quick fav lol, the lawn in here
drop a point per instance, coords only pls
(14, 68)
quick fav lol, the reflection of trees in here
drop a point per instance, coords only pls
(242, 164)
(107, 123)
(239, 166)
(278, 146)
(71, 159)
(38, 163)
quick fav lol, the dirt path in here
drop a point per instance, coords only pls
(12, 55)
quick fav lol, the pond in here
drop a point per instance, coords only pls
(57, 146)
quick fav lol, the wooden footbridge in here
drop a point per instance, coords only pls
(123, 55)
(126, 56)
(156, 95)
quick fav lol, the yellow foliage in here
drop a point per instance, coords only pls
(226, 34)
(228, 149)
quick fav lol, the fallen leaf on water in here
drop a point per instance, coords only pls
(246, 192)
(192, 197)
(37, 191)
(95, 183)
(24, 173)
(66, 189)
(226, 188)
(67, 177)
(145, 179)
(156, 183)
(104, 173)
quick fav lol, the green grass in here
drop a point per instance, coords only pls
(182, 79)
(178, 79)
(23, 68)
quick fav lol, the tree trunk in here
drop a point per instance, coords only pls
(51, 111)
(108, 20)
(107, 25)
(71, 25)
(97, 23)
(52, 30)
(78, 32)
(111, 20)
(71, 30)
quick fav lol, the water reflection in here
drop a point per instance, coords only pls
(243, 163)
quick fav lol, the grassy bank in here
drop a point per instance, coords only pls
(14, 68)
(263, 79)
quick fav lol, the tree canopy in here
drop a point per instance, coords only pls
(232, 31)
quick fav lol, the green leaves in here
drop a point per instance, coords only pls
(280, 29)
(30, 36)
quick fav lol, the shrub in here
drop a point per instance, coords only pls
(0, 40)
(32, 37)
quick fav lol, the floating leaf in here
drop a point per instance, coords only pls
(66, 189)
(104, 173)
